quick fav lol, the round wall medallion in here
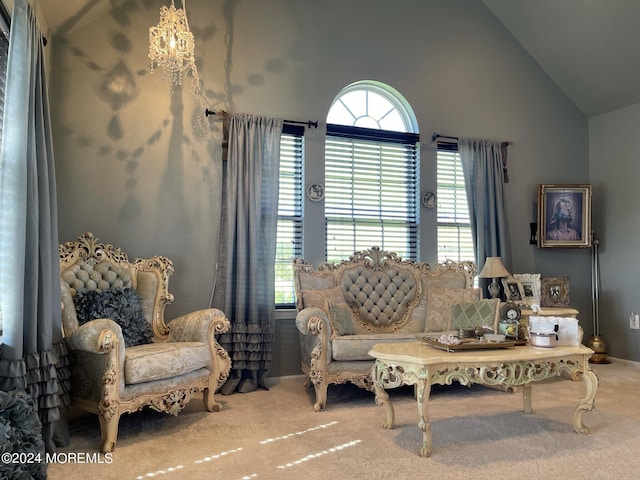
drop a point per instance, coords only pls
(429, 199)
(315, 192)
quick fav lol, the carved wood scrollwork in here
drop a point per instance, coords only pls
(106, 341)
(390, 376)
(173, 401)
(88, 248)
(108, 407)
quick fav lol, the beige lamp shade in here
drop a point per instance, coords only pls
(493, 268)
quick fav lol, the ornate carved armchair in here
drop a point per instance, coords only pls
(124, 356)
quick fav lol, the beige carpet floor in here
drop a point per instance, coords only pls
(478, 433)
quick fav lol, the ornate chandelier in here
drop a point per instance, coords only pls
(171, 46)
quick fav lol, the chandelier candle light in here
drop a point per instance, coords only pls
(172, 47)
(493, 268)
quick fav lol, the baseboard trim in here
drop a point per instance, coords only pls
(271, 381)
(624, 360)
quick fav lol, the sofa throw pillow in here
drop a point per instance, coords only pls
(340, 318)
(317, 298)
(474, 314)
(122, 305)
(439, 302)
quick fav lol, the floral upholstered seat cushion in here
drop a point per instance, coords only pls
(157, 361)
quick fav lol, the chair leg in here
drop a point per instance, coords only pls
(210, 404)
(109, 431)
(321, 394)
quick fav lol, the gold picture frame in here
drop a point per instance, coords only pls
(564, 216)
(554, 291)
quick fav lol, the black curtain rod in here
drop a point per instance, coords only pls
(436, 136)
(7, 19)
(309, 123)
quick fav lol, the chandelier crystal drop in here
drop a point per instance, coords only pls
(172, 47)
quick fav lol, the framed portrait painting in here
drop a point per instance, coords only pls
(564, 216)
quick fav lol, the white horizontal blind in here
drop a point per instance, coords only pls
(289, 239)
(454, 228)
(370, 196)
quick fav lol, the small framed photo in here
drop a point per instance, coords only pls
(564, 216)
(529, 287)
(554, 291)
(512, 289)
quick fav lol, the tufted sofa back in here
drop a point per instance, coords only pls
(384, 292)
(382, 297)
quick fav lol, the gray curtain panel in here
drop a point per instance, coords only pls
(33, 356)
(246, 265)
(484, 167)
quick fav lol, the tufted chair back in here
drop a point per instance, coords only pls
(87, 265)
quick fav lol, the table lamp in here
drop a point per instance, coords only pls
(494, 269)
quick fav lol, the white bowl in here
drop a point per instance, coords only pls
(494, 337)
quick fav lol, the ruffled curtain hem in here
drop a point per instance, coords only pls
(251, 350)
(45, 376)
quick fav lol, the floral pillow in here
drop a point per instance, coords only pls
(340, 318)
(316, 298)
(439, 303)
(123, 306)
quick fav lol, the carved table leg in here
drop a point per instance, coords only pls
(590, 380)
(526, 398)
(382, 398)
(424, 390)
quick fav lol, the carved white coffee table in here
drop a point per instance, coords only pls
(414, 363)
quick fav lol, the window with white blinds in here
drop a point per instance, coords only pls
(371, 185)
(454, 227)
(289, 238)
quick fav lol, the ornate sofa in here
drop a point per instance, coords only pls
(124, 356)
(374, 297)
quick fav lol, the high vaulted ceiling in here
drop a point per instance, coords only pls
(589, 48)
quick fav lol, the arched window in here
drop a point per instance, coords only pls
(371, 172)
(372, 105)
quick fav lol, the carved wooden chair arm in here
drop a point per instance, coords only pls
(197, 326)
(311, 319)
(96, 336)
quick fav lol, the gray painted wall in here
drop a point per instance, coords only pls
(615, 169)
(132, 170)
